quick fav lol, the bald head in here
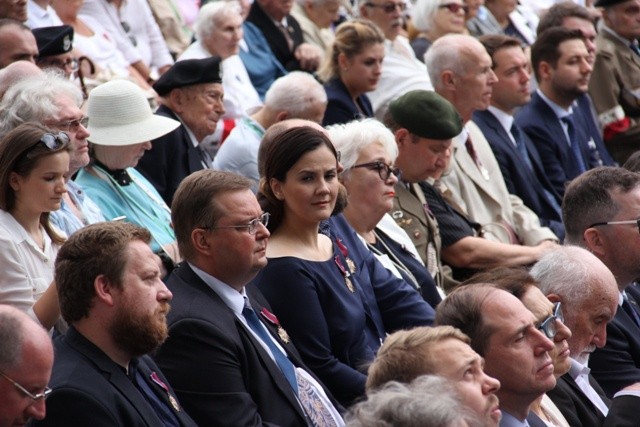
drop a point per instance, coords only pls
(15, 71)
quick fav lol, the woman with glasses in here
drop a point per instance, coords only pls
(368, 150)
(33, 165)
(333, 298)
(549, 320)
(434, 19)
(351, 69)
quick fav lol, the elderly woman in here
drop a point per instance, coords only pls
(352, 68)
(368, 150)
(434, 19)
(122, 125)
(331, 295)
(504, 17)
(219, 32)
(550, 321)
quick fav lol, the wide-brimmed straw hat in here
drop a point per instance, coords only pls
(119, 114)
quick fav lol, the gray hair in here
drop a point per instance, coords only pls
(429, 401)
(446, 54)
(212, 14)
(351, 138)
(423, 14)
(566, 272)
(11, 338)
(295, 93)
(33, 99)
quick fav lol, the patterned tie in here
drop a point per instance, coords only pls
(287, 35)
(634, 47)
(575, 146)
(205, 157)
(281, 359)
(313, 404)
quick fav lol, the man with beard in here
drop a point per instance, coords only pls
(506, 334)
(443, 351)
(589, 296)
(115, 303)
(553, 119)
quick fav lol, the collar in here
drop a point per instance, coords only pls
(509, 420)
(616, 35)
(231, 298)
(192, 136)
(621, 297)
(577, 369)
(505, 119)
(121, 176)
(557, 110)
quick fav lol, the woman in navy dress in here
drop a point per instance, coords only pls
(352, 69)
(333, 298)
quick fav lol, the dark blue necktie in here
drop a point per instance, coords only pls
(281, 359)
(634, 47)
(575, 146)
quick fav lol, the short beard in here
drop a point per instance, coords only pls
(139, 334)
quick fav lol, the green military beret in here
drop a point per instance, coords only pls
(426, 114)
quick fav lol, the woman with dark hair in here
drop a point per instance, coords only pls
(33, 167)
(331, 295)
(352, 68)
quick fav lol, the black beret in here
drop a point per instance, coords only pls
(607, 3)
(426, 114)
(53, 40)
(189, 72)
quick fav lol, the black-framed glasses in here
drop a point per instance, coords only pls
(72, 125)
(549, 327)
(630, 221)
(389, 7)
(454, 7)
(384, 170)
(251, 226)
(35, 397)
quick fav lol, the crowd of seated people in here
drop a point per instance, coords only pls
(375, 213)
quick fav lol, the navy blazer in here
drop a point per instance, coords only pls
(340, 107)
(584, 102)
(520, 180)
(222, 375)
(258, 17)
(541, 124)
(90, 389)
(171, 159)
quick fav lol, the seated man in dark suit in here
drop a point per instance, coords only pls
(284, 35)
(600, 213)
(231, 366)
(519, 161)
(191, 91)
(115, 303)
(589, 296)
(555, 122)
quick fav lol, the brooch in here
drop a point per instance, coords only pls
(271, 318)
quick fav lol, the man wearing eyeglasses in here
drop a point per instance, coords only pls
(25, 367)
(600, 212)
(401, 70)
(227, 355)
(589, 295)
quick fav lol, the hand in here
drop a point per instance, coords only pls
(546, 246)
(309, 56)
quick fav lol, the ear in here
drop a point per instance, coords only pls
(276, 188)
(14, 181)
(402, 137)
(448, 79)
(104, 290)
(364, 13)
(544, 69)
(554, 297)
(343, 62)
(282, 115)
(200, 241)
(178, 100)
(595, 243)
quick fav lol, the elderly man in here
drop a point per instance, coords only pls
(14, 72)
(17, 43)
(231, 366)
(600, 212)
(25, 367)
(14, 9)
(461, 72)
(191, 92)
(115, 303)
(589, 296)
(284, 35)
(54, 101)
(401, 70)
(616, 73)
(315, 18)
(294, 96)
(443, 351)
(518, 157)
(505, 333)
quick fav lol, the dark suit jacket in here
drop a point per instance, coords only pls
(258, 17)
(223, 376)
(617, 364)
(520, 180)
(340, 106)
(171, 159)
(541, 124)
(584, 102)
(89, 389)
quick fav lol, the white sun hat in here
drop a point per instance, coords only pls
(119, 114)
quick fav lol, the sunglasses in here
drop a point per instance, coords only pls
(549, 326)
(454, 7)
(127, 29)
(49, 140)
(384, 170)
(389, 7)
